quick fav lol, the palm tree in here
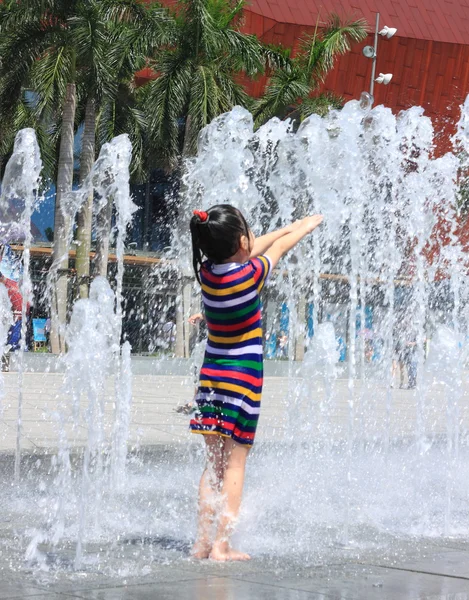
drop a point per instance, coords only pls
(198, 74)
(59, 47)
(198, 78)
(22, 116)
(120, 114)
(126, 32)
(292, 90)
(30, 31)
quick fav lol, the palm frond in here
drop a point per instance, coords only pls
(124, 114)
(320, 105)
(24, 116)
(284, 89)
(231, 93)
(20, 49)
(50, 75)
(245, 50)
(319, 51)
(96, 62)
(46, 138)
(226, 13)
(165, 104)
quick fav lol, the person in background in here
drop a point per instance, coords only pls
(47, 332)
(169, 329)
(14, 334)
(283, 345)
(410, 358)
(398, 363)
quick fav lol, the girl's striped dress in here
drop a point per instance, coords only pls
(230, 385)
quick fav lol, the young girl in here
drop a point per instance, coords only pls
(228, 398)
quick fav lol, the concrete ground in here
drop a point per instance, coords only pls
(427, 569)
(432, 572)
(154, 420)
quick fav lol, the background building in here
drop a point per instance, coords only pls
(428, 57)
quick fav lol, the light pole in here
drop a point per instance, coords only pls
(375, 56)
(372, 52)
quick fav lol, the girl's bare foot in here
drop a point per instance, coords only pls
(201, 550)
(223, 553)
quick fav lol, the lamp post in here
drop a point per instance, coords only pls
(372, 52)
(375, 56)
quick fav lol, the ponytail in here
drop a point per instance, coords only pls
(196, 252)
(216, 234)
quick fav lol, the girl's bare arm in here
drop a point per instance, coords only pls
(284, 244)
(195, 319)
(264, 242)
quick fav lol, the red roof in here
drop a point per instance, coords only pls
(437, 20)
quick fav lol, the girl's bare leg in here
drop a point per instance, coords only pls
(235, 456)
(209, 492)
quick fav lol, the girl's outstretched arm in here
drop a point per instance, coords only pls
(264, 242)
(284, 244)
(196, 319)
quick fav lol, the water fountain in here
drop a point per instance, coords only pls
(21, 183)
(6, 320)
(380, 477)
(383, 192)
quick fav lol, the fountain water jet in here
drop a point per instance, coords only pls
(6, 320)
(382, 192)
(21, 181)
(374, 177)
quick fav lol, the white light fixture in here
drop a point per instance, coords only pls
(385, 79)
(369, 52)
(388, 32)
(372, 53)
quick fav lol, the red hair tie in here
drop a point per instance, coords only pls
(203, 216)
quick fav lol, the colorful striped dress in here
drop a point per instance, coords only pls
(230, 386)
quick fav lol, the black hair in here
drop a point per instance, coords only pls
(218, 237)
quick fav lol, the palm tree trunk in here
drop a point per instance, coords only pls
(62, 223)
(181, 348)
(103, 233)
(187, 138)
(85, 216)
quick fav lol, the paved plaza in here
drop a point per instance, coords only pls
(432, 568)
(376, 412)
(437, 574)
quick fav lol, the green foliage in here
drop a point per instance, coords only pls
(96, 44)
(320, 105)
(22, 115)
(289, 89)
(123, 114)
(199, 73)
(196, 48)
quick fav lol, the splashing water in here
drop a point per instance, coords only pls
(94, 355)
(379, 257)
(21, 184)
(6, 320)
(89, 360)
(372, 285)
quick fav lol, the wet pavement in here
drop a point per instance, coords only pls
(439, 573)
(154, 419)
(402, 567)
